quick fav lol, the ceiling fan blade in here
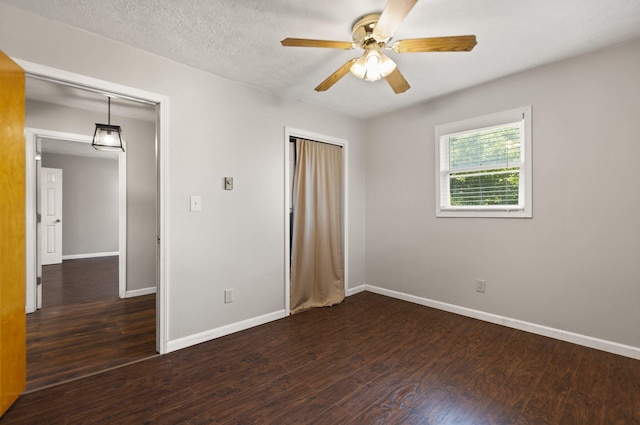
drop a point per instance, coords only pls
(461, 43)
(397, 82)
(393, 14)
(305, 42)
(335, 77)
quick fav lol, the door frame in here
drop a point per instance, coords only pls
(33, 155)
(162, 158)
(294, 132)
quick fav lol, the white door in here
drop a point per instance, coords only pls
(51, 216)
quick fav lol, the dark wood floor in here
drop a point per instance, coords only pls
(83, 327)
(78, 281)
(370, 360)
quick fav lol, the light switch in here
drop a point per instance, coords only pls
(228, 183)
(196, 203)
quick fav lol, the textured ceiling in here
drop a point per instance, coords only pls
(240, 40)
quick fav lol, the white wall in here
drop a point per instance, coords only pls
(575, 265)
(141, 179)
(217, 128)
(89, 203)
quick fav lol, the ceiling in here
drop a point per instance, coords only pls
(66, 147)
(240, 40)
(59, 94)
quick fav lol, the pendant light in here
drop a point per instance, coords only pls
(108, 137)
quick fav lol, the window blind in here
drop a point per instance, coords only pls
(484, 166)
(497, 146)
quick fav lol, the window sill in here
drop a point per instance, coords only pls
(520, 213)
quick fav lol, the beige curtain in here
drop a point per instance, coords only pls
(317, 269)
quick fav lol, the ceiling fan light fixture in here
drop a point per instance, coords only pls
(359, 68)
(373, 59)
(373, 74)
(387, 66)
(372, 66)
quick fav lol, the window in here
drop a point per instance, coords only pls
(483, 166)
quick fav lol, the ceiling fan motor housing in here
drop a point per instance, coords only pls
(362, 31)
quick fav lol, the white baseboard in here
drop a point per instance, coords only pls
(90, 255)
(205, 336)
(140, 292)
(584, 340)
(356, 290)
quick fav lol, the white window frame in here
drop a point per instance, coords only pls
(443, 132)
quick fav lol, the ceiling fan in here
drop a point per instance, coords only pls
(372, 32)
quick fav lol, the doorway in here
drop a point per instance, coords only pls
(66, 79)
(95, 212)
(70, 79)
(85, 289)
(292, 133)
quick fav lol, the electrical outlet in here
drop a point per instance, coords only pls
(481, 285)
(228, 296)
